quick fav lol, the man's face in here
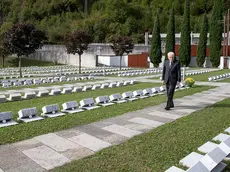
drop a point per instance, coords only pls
(170, 57)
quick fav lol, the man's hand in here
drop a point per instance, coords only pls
(163, 82)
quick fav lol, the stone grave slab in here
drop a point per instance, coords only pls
(56, 142)
(90, 142)
(227, 130)
(174, 169)
(191, 159)
(10, 123)
(147, 122)
(207, 147)
(221, 137)
(46, 157)
(217, 155)
(117, 129)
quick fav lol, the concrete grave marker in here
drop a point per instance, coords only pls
(28, 115)
(71, 107)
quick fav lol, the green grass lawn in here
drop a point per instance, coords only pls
(225, 80)
(25, 131)
(132, 76)
(160, 148)
(13, 62)
(205, 76)
(49, 84)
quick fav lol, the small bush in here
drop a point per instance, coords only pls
(189, 82)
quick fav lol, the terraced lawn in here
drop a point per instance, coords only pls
(13, 62)
(225, 80)
(160, 148)
(25, 131)
(49, 84)
(205, 76)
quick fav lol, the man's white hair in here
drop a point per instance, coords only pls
(171, 54)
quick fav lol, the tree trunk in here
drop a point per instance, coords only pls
(3, 61)
(120, 61)
(86, 7)
(79, 63)
(20, 66)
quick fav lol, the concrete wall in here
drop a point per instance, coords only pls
(113, 60)
(57, 53)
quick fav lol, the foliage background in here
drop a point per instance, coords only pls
(104, 18)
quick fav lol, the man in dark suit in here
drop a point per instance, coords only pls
(170, 76)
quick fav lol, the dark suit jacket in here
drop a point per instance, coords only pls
(171, 75)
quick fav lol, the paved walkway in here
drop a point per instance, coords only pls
(48, 151)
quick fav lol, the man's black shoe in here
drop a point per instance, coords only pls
(167, 108)
(172, 106)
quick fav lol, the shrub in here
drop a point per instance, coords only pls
(189, 82)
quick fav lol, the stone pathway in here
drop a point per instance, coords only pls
(51, 150)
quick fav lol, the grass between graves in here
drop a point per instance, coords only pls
(25, 131)
(49, 84)
(224, 80)
(205, 76)
(160, 148)
(132, 76)
(13, 62)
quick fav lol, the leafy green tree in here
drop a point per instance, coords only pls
(178, 7)
(76, 43)
(3, 53)
(201, 50)
(123, 17)
(170, 38)
(185, 43)
(121, 45)
(23, 40)
(155, 52)
(216, 30)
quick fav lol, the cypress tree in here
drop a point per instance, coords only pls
(185, 43)
(216, 33)
(170, 38)
(201, 50)
(155, 52)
